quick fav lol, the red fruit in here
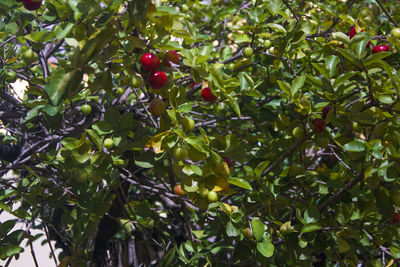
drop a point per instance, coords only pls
(157, 79)
(319, 125)
(325, 111)
(380, 48)
(396, 218)
(352, 32)
(193, 85)
(171, 56)
(178, 190)
(368, 44)
(32, 4)
(150, 62)
(228, 161)
(208, 95)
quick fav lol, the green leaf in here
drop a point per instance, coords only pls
(285, 87)
(249, 80)
(231, 230)
(241, 38)
(376, 57)
(258, 228)
(244, 82)
(55, 88)
(145, 160)
(6, 227)
(103, 127)
(261, 167)
(276, 27)
(9, 250)
(186, 108)
(343, 245)
(321, 67)
(240, 182)
(350, 57)
(198, 143)
(331, 63)
(70, 143)
(395, 250)
(310, 228)
(234, 104)
(360, 49)
(266, 248)
(354, 146)
(297, 84)
(343, 78)
(384, 203)
(204, 54)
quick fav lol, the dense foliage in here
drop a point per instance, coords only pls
(255, 132)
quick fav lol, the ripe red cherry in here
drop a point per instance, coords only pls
(157, 79)
(396, 218)
(228, 161)
(32, 4)
(193, 85)
(150, 62)
(207, 95)
(380, 48)
(352, 32)
(319, 125)
(325, 111)
(171, 56)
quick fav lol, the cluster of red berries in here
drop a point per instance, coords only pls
(375, 49)
(150, 62)
(319, 124)
(31, 4)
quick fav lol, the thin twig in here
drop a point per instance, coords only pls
(51, 247)
(387, 13)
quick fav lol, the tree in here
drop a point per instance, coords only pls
(291, 158)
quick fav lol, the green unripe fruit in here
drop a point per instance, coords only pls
(267, 44)
(108, 143)
(86, 109)
(248, 52)
(120, 91)
(180, 153)
(368, 19)
(298, 132)
(188, 124)
(364, 13)
(29, 56)
(185, 7)
(203, 192)
(81, 176)
(396, 32)
(322, 141)
(136, 81)
(157, 107)
(212, 196)
(11, 76)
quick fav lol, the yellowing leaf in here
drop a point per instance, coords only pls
(155, 142)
